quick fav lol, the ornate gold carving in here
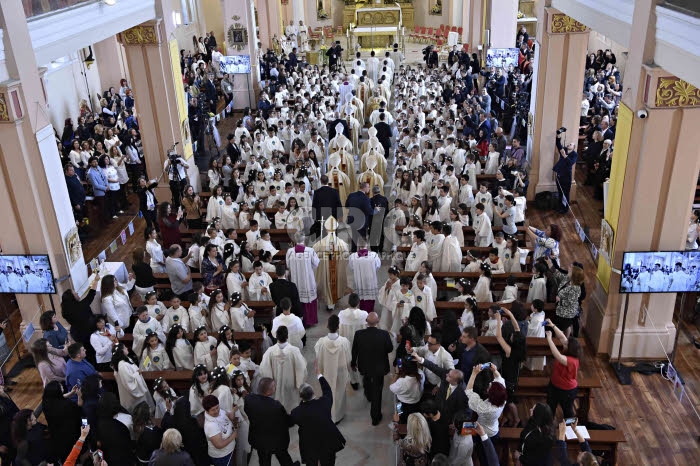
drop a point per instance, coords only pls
(674, 92)
(140, 35)
(562, 24)
(4, 113)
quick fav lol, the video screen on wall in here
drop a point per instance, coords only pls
(660, 272)
(501, 58)
(235, 64)
(26, 274)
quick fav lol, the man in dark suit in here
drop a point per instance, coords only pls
(383, 133)
(232, 149)
(210, 92)
(469, 351)
(326, 201)
(370, 355)
(292, 60)
(283, 288)
(334, 54)
(450, 397)
(356, 205)
(269, 425)
(319, 438)
(563, 168)
(380, 204)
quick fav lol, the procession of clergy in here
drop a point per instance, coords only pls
(432, 179)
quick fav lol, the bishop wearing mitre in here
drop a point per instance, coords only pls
(339, 141)
(370, 176)
(337, 179)
(331, 274)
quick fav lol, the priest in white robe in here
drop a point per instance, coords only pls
(337, 178)
(295, 327)
(370, 176)
(362, 279)
(345, 90)
(291, 32)
(331, 274)
(302, 261)
(333, 355)
(373, 66)
(285, 364)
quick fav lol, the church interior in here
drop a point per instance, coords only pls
(526, 170)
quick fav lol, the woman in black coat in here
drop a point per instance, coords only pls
(114, 436)
(78, 313)
(147, 202)
(193, 438)
(63, 417)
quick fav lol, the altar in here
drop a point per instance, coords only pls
(378, 25)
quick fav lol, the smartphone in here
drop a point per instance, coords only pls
(116, 323)
(100, 455)
(485, 366)
(544, 324)
(569, 421)
(84, 420)
(399, 363)
(468, 428)
(79, 383)
(399, 408)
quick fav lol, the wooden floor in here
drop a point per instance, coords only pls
(659, 429)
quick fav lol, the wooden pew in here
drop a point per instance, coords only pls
(498, 280)
(536, 387)
(601, 440)
(605, 440)
(255, 339)
(442, 307)
(535, 346)
(180, 381)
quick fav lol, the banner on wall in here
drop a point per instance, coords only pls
(617, 178)
(180, 99)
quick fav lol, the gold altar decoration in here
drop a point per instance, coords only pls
(4, 114)
(672, 91)
(140, 35)
(379, 18)
(562, 24)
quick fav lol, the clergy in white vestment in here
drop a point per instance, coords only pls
(362, 279)
(379, 160)
(373, 66)
(337, 179)
(345, 90)
(351, 320)
(284, 364)
(302, 262)
(370, 176)
(435, 246)
(396, 57)
(291, 31)
(334, 354)
(295, 328)
(372, 142)
(331, 274)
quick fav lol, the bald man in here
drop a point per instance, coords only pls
(370, 355)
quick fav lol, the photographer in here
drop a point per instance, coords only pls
(176, 167)
(563, 168)
(430, 56)
(563, 385)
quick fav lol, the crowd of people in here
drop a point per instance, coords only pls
(102, 157)
(602, 92)
(436, 159)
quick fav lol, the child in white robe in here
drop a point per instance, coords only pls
(424, 298)
(451, 251)
(538, 284)
(482, 227)
(482, 290)
(179, 348)
(536, 329)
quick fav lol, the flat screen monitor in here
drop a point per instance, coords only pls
(26, 274)
(660, 272)
(501, 58)
(235, 64)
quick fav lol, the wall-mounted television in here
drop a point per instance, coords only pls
(26, 274)
(235, 64)
(660, 272)
(501, 58)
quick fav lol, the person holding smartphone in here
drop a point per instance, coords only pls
(585, 457)
(490, 408)
(407, 388)
(563, 385)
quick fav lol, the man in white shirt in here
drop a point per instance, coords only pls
(436, 354)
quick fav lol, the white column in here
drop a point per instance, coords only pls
(298, 12)
(456, 8)
(504, 23)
